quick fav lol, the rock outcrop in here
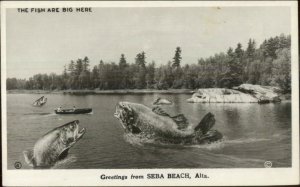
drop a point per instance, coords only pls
(245, 93)
(264, 94)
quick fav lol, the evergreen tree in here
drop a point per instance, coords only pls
(239, 51)
(65, 78)
(95, 77)
(102, 75)
(71, 68)
(140, 78)
(85, 74)
(230, 52)
(150, 81)
(177, 57)
(122, 62)
(250, 49)
(86, 64)
(231, 76)
(140, 59)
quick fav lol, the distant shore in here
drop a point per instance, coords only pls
(124, 91)
(283, 97)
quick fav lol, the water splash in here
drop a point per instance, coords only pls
(137, 140)
(211, 146)
(65, 162)
(225, 142)
(247, 140)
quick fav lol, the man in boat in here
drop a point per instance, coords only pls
(59, 109)
(74, 108)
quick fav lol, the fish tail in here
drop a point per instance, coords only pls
(28, 155)
(206, 123)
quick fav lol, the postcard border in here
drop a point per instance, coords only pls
(91, 177)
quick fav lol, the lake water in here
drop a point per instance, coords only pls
(253, 133)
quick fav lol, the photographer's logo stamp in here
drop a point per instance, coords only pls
(268, 164)
(18, 165)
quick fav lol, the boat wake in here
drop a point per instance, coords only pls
(40, 113)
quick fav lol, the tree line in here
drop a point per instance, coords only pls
(268, 64)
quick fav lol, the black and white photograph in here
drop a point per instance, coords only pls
(176, 90)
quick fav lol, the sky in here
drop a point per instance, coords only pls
(45, 42)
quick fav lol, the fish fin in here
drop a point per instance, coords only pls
(63, 154)
(159, 111)
(29, 159)
(181, 121)
(211, 136)
(206, 123)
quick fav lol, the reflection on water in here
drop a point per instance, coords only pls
(253, 133)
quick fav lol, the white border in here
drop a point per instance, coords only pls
(91, 177)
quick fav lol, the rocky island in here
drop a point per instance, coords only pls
(245, 93)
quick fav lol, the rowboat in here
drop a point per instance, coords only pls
(74, 111)
(40, 102)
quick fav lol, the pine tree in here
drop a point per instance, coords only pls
(232, 76)
(239, 51)
(95, 77)
(122, 62)
(65, 74)
(71, 68)
(141, 59)
(230, 52)
(177, 58)
(250, 49)
(123, 73)
(86, 64)
(140, 76)
(150, 75)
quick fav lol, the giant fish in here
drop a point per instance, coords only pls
(157, 124)
(54, 145)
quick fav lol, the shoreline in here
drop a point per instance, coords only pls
(283, 97)
(83, 92)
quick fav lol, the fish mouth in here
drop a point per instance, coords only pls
(71, 141)
(119, 114)
(78, 133)
(125, 114)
